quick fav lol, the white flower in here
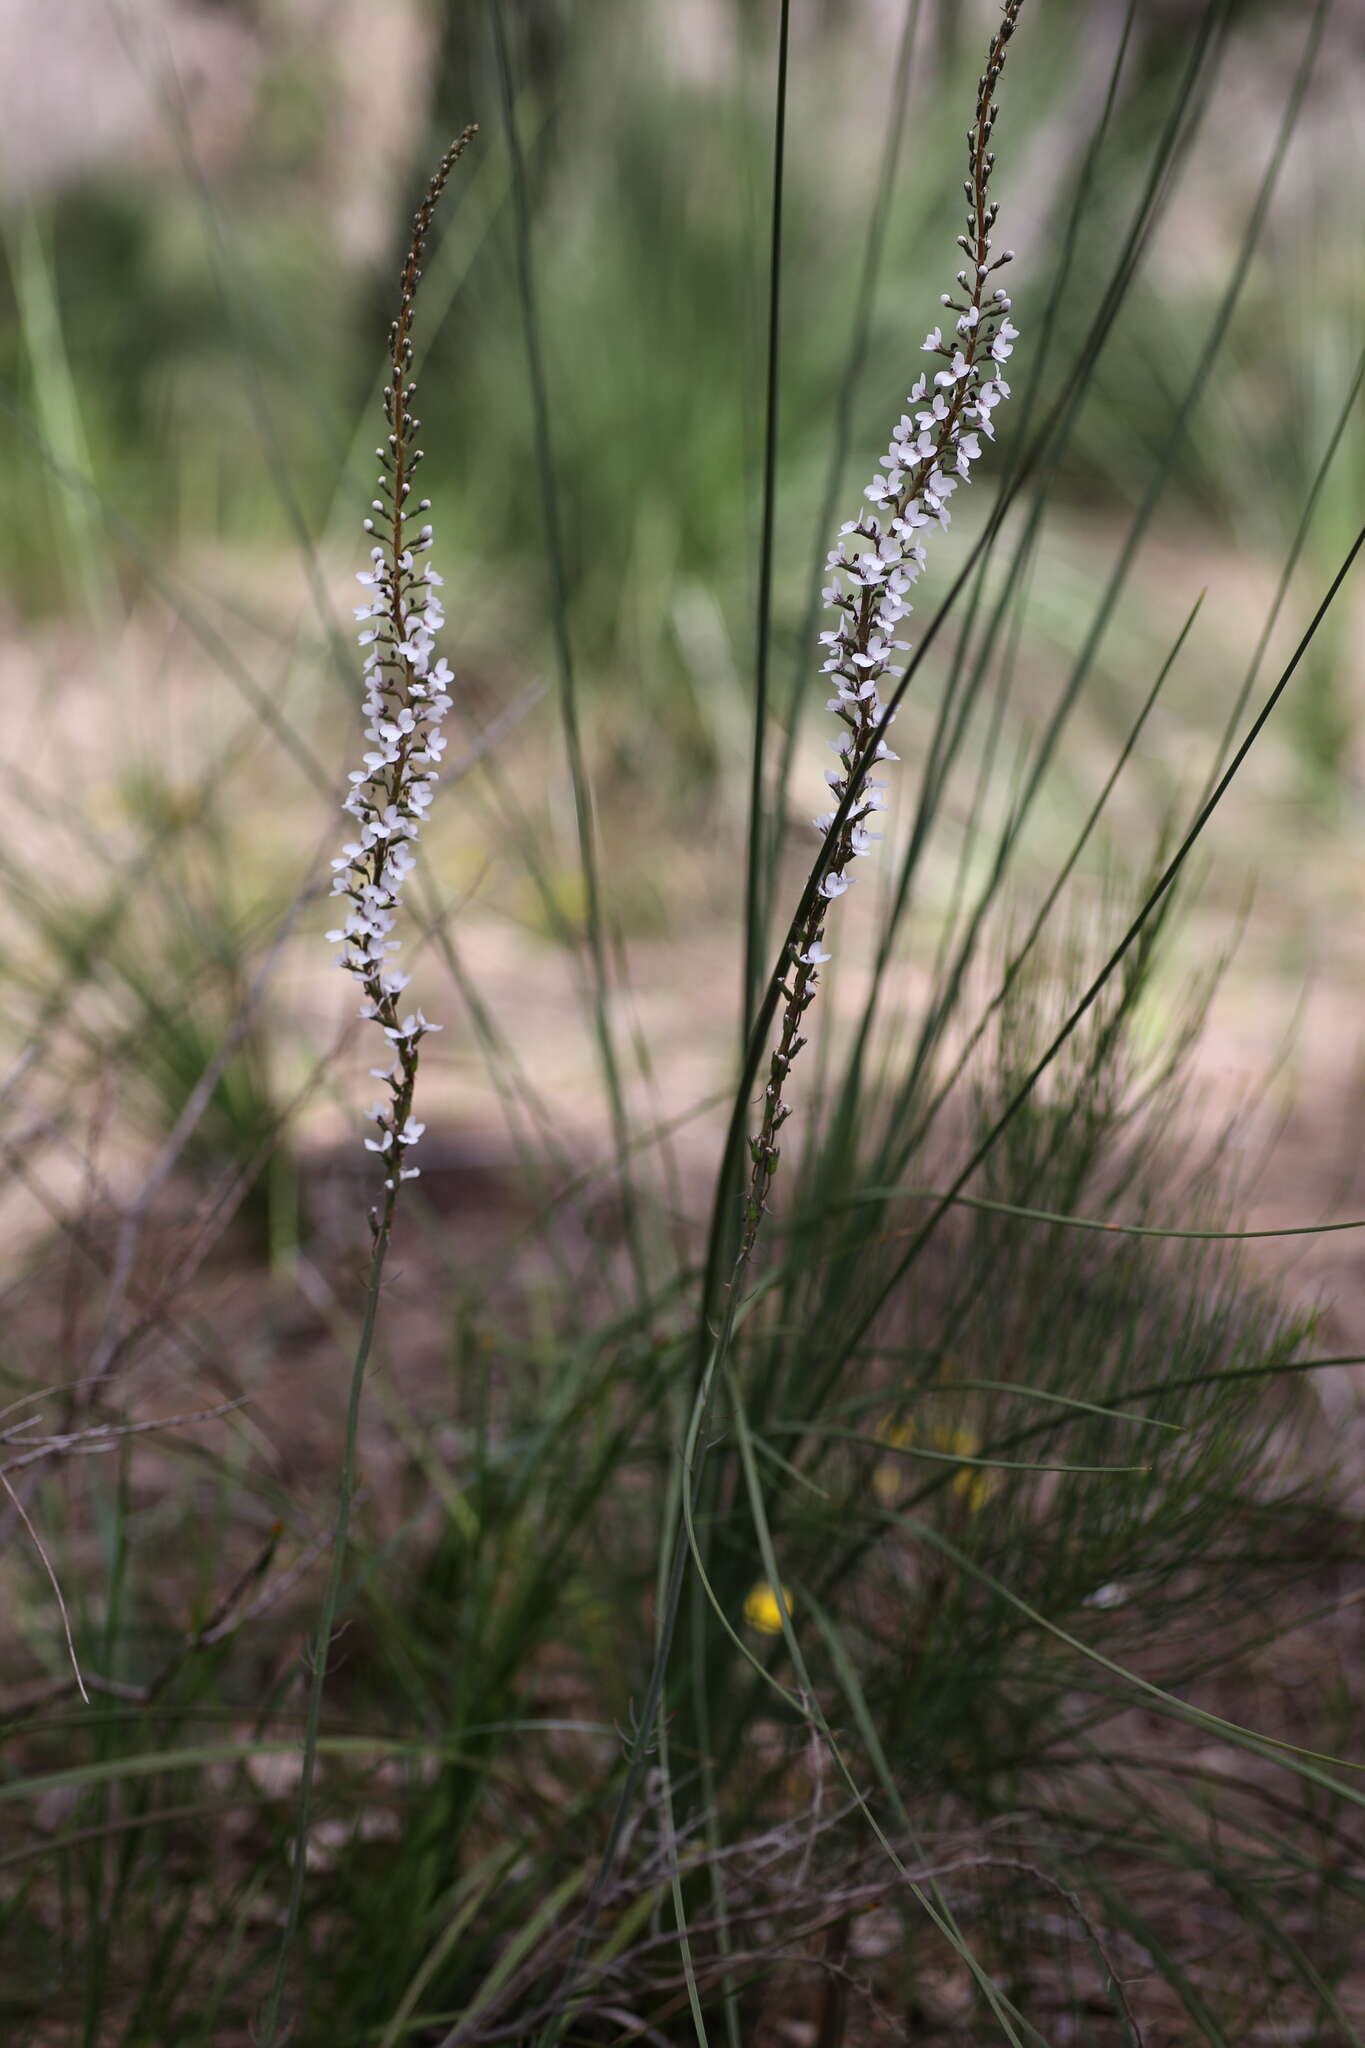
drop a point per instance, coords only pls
(1112, 1595)
(814, 956)
(955, 372)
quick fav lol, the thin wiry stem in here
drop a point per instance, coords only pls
(854, 363)
(757, 878)
(568, 685)
(46, 1562)
(326, 1622)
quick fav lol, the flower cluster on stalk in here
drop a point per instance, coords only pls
(877, 561)
(407, 696)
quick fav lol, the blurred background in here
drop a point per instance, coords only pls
(204, 206)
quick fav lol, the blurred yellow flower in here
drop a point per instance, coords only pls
(761, 1610)
(973, 1484)
(888, 1477)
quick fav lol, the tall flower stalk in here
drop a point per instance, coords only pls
(878, 559)
(406, 699)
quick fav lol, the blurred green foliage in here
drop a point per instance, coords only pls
(221, 346)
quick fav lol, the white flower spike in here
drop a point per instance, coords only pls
(405, 700)
(879, 559)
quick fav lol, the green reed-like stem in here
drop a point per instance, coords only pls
(757, 877)
(552, 528)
